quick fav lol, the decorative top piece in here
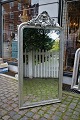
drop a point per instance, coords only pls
(42, 20)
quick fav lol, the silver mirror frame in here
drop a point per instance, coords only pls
(75, 71)
(42, 21)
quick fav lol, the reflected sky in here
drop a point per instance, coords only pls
(53, 35)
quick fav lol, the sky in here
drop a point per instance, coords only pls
(53, 35)
(34, 1)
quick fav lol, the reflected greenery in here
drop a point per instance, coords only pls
(42, 46)
(38, 89)
(35, 39)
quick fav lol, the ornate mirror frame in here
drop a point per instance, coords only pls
(41, 21)
(75, 80)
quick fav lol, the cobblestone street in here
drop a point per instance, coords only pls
(68, 109)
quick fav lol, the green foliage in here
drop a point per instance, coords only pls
(34, 39)
(56, 45)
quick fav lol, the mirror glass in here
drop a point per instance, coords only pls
(41, 49)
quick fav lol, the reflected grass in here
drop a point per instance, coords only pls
(37, 89)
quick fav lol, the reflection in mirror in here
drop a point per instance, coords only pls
(40, 65)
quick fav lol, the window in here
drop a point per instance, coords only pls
(11, 26)
(19, 6)
(11, 15)
(11, 4)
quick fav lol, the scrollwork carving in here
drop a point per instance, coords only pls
(42, 20)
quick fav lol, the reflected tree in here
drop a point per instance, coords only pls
(34, 39)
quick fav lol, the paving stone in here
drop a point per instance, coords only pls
(66, 118)
(74, 117)
(44, 108)
(77, 109)
(66, 102)
(58, 113)
(1, 103)
(47, 116)
(10, 119)
(15, 99)
(63, 105)
(6, 117)
(10, 102)
(70, 110)
(5, 100)
(36, 117)
(79, 102)
(55, 117)
(14, 105)
(75, 101)
(29, 114)
(43, 118)
(68, 113)
(76, 113)
(5, 105)
(16, 117)
(49, 112)
(24, 118)
(41, 112)
(61, 109)
(3, 112)
(78, 106)
(53, 108)
(2, 98)
(70, 97)
(16, 109)
(12, 113)
(72, 106)
(22, 112)
(34, 110)
(9, 108)
(56, 105)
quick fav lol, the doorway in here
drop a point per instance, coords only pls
(71, 16)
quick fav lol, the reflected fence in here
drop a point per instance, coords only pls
(41, 63)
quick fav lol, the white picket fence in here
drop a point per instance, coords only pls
(43, 64)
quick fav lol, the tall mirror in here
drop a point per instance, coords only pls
(40, 62)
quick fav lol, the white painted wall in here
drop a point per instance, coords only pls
(50, 6)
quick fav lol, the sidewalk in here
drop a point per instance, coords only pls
(68, 109)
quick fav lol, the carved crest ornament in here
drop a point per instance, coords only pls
(43, 20)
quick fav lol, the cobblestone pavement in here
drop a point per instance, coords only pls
(68, 109)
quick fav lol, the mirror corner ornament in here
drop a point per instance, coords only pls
(43, 20)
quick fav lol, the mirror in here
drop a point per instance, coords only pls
(76, 76)
(40, 62)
